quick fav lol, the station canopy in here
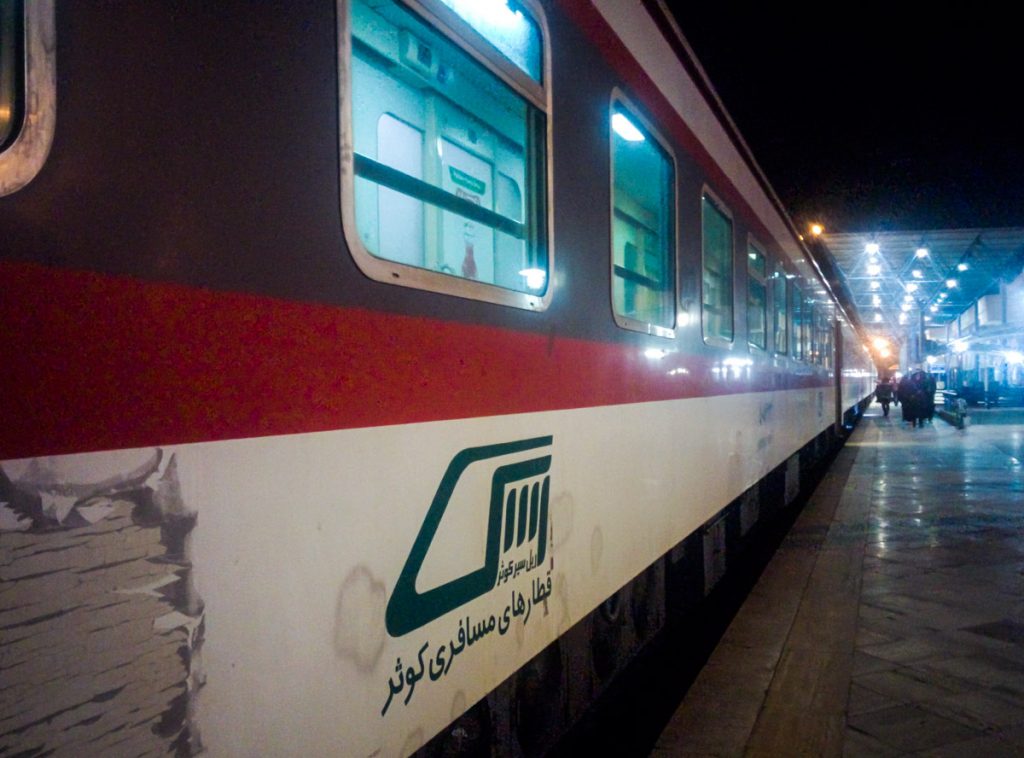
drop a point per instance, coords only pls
(899, 279)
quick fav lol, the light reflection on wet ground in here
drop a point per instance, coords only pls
(939, 662)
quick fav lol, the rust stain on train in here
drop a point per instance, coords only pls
(359, 620)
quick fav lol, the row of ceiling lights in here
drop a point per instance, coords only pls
(874, 269)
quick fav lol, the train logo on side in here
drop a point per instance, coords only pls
(517, 520)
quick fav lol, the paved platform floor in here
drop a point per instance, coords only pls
(891, 620)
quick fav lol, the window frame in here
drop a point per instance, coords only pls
(625, 322)
(707, 194)
(448, 24)
(753, 244)
(24, 157)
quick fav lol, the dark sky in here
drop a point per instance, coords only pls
(874, 119)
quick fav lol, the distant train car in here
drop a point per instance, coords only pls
(377, 372)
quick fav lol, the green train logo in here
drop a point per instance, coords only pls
(517, 516)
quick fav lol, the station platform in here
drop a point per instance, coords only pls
(891, 620)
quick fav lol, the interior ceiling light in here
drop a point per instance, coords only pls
(951, 283)
(934, 309)
(876, 300)
(875, 285)
(916, 273)
(871, 248)
(921, 252)
(912, 287)
(817, 229)
(878, 317)
(874, 269)
(905, 307)
(962, 267)
(903, 318)
(626, 128)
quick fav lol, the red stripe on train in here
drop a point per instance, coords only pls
(93, 362)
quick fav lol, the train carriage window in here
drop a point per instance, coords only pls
(717, 247)
(643, 218)
(12, 94)
(757, 298)
(808, 324)
(819, 334)
(779, 303)
(27, 90)
(447, 158)
(796, 298)
(826, 340)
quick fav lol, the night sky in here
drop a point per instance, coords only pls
(883, 120)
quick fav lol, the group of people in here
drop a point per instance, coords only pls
(914, 393)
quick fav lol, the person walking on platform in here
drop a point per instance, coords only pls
(912, 396)
(884, 395)
(903, 392)
(929, 397)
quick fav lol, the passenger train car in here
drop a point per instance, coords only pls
(378, 373)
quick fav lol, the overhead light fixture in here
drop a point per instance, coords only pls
(916, 273)
(951, 283)
(903, 318)
(934, 308)
(876, 300)
(912, 287)
(905, 307)
(921, 252)
(626, 128)
(875, 285)
(871, 248)
(962, 267)
(874, 269)
(878, 317)
(817, 229)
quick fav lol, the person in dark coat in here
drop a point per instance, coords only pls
(884, 394)
(912, 392)
(929, 397)
(904, 392)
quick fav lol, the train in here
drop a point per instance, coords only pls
(379, 376)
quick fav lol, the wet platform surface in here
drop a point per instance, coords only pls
(891, 620)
